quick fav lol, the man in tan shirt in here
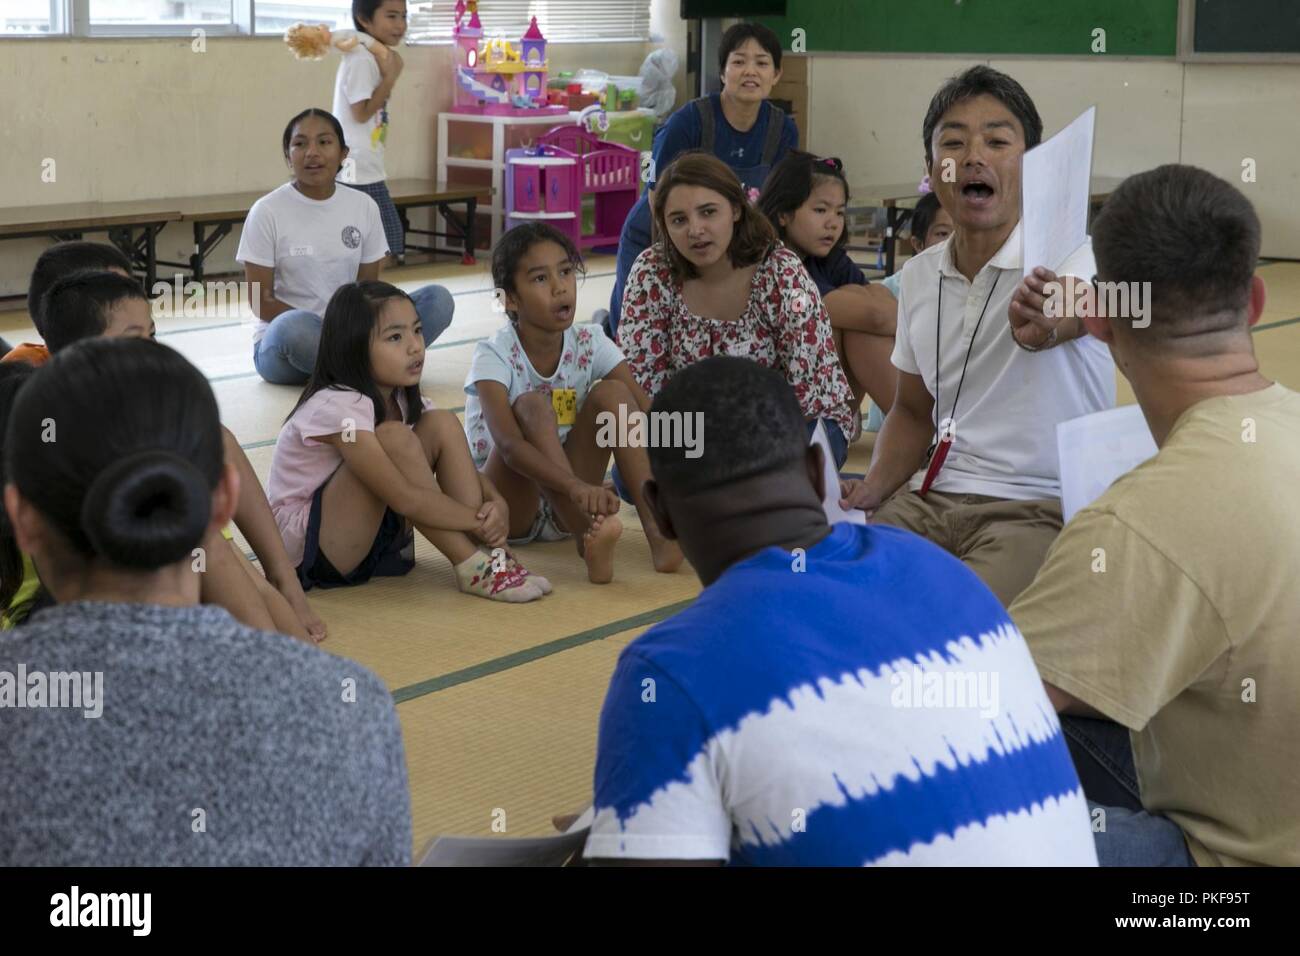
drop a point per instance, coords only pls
(1169, 606)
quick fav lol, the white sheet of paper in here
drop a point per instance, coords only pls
(831, 501)
(1096, 449)
(525, 851)
(1054, 191)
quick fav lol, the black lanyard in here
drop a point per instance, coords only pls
(938, 337)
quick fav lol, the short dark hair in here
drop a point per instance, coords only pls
(792, 181)
(977, 81)
(13, 376)
(343, 359)
(76, 306)
(313, 111)
(139, 450)
(753, 236)
(927, 207)
(735, 37)
(364, 8)
(64, 259)
(514, 245)
(752, 424)
(1193, 236)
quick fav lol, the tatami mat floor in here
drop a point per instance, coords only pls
(499, 703)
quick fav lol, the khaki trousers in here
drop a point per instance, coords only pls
(1004, 542)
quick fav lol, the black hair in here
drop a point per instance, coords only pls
(514, 245)
(735, 37)
(313, 111)
(117, 442)
(65, 258)
(343, 360)
(1193, 236)
(76, 306)
(927, 207)
(364, 8)
(977, 81)
(13, 375)
(792, 181)
(752, 424)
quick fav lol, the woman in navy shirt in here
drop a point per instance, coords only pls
(737, 125)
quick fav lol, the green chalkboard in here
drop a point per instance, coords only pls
(1247, 26)
(1132, 27)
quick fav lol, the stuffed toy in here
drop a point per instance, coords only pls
(312, 42)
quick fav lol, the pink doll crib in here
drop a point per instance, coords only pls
(550, 181)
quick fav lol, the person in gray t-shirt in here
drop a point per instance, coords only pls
(136, 727)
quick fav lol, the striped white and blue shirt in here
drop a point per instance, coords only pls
(868, 702)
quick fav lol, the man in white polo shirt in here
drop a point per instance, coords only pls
(978, 359)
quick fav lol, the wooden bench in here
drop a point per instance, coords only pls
(213, 217)
(132, 226)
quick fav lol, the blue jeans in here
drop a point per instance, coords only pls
(632, 241)
(286, 354)
(1124, 833)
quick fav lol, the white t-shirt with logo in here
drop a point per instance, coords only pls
(355, 82)
(314, 245)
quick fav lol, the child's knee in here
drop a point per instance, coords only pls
(440, 422)
(395, 436)
(533, 410)
(609, 394)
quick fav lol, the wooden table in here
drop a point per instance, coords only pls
(898, 199)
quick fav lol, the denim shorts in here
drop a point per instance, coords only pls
(392, 554)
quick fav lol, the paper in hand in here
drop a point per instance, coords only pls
(1055, 182)
(831, 498)
(1097, 449)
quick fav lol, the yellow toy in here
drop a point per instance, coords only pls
(500, 51)
(313, 41)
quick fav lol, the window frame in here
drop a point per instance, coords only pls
(70, 19)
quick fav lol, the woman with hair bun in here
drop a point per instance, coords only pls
(143, 711)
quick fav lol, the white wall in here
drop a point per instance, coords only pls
(152, 119)
(868, 110)
(148, 119)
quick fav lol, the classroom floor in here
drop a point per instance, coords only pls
(499, 703)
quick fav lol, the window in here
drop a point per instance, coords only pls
(564, 21)
(30, 17)
(119, 15)
(430, 21)
(276, 16)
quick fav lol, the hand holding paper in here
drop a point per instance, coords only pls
(835, 513)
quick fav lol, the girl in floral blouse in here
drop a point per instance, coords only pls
(717, 281)
(542, 397)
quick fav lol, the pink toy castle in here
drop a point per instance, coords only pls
(550, 181)
(492, 76)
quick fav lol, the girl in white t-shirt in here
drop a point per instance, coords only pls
(363, 458)
(362, 86)
(304, 240)
(545, 405)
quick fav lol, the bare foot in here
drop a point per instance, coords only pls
(665, 555)
(310, 620)
(597, 548)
